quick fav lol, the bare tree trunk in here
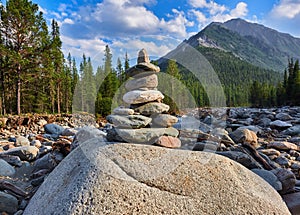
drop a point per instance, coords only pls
(18, 90)
(58, 98)
(3, 109)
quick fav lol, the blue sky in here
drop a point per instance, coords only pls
(157, 25)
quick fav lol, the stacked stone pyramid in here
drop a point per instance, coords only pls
(144, 120)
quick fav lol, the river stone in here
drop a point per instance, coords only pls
(142, 135)
(152, 108)
(8, 203)
(269, 177)
(293, 131)
(139, 179)
(22, 141)
(283, 145)
(6, 169)
(242, 158)
(169, 142)
(138, 96)
(292, 201)
(278, 124)
(123, 111)
(270, 152)
(283, 116)
(283, 161)
(85, 134)
(36, 143)
(165, 120)
(11, 159)
(45, 162)
(27, 153)
(150, 81)
(206, 146)
(130, 121)
(69, 132)
(287, 179)
(244, 136)
(53, 129)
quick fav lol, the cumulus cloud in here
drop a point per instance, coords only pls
(124, 25)
(212, 6)
(240, 10)
(68, 21)
(286, 9)
(43, 10)
(213, 12)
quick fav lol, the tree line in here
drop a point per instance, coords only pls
(286, 92)
(35, 77)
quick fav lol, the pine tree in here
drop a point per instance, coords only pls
(22, 27)
(172, 89)
(108, 87)
(57, 58)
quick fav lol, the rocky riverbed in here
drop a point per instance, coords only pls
(265, 141)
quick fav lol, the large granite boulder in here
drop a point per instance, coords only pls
(137, 179)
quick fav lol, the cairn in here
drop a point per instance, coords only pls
(144, 120)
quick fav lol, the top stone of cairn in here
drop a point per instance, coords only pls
(143, 57)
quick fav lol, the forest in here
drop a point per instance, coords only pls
(36, 77)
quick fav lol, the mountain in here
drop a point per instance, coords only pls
(240, 54)
(254, 43)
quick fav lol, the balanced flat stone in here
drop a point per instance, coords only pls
(150, 81)
(142, 69)
(152, 108)
(142, 135)
(130, 121)
(138, 96)
(165, 120)
(141, 179)
(123, 111)
(143, 57)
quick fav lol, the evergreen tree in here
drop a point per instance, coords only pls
(21, 26)
(172, 90)
(108, 87)
(57, 58)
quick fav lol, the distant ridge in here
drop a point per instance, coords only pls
(251, 42)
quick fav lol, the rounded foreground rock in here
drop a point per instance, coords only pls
(138, 179)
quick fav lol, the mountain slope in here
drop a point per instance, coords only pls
(238, 58)
(254, 43)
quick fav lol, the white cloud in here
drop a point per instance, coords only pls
(56, 15)
(93, 48)
(286, 9)
(198, 3)
(177, 25)
(213, 12)
(240, 10)
(133, 46)
(62, 7)
(199, 16)
(122, 18)
(68, 21)
(43, 10)
(212, 6)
